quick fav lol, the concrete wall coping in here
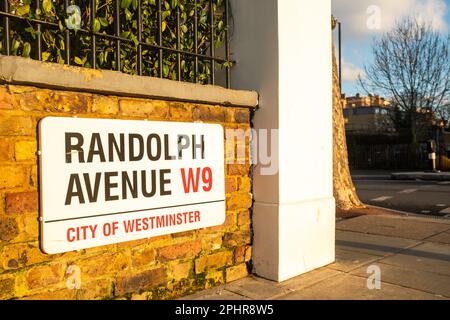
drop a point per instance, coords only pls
(23, 71)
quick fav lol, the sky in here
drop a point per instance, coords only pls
(364, 20)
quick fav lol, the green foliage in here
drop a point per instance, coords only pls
(23, 35)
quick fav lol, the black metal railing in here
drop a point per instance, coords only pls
(185, 40)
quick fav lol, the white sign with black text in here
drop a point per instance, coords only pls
(108, 181)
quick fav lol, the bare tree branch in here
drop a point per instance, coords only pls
(412, 67)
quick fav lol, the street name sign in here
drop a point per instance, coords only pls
(106, 181)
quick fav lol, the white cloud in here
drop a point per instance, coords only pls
(359, 18)
(351, 72)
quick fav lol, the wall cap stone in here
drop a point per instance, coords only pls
(23, 71)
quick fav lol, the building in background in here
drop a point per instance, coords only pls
(368, 115)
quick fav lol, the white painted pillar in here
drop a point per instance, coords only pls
(283, 50)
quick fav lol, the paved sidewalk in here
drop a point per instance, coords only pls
(413, 255)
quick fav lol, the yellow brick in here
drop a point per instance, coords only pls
(211, 242)
(140, 297)
(98, 289)
(105, 105)
(20, 89)
(44, 276)
(9, 229)
(244, 219)
(181, 270)
(6, 149)
(25, 150)
(243, 254)
(19, 255)
(209, 113)
(34, 100)
(214, 278)
(13, 176)
(64, 294)
(104, 264)
(34, 176)
(55, 101)
(143, 257)
(233, 239)
(213, 261)
(15, 126)
(5, 98)
(149, 108)
(229, 115)
(29, 226)
(7, 284)
(242, 115)
(244, 184)
(239, 201)
(236, 272)
(180, 112)
(248, 254)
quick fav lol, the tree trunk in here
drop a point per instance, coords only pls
(343, 188)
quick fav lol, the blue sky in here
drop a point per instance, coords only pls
(362, 20)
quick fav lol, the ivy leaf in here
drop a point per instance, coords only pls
(125, 34)
(47, 6)
(174, 4)
(15, 45)
(163, 26)
(166, 70)
(31, 31)
(184, 28)
(78, 61)
(165, 14)
(45, 55)
(128, 14)
(26, 50)
(96, 27)
(135, 4)
(23, 10)
(125, 4)
(135, 40)
(103, 21)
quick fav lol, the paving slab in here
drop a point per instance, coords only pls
(350, 260)
(308, 279)
(411, 278)
(393, 226)
(443, 237)
(371, 244)
(257, 288)
(350, 287)
(428, 257)
(218, 293)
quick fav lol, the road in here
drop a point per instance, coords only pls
(421, 197)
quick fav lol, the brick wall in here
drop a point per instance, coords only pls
(156, 268)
